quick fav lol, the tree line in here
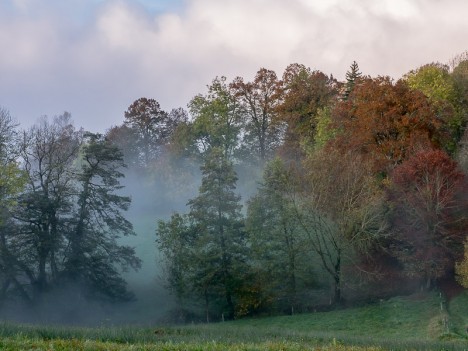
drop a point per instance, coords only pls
(360, 187)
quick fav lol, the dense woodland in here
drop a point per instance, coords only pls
(357, 191)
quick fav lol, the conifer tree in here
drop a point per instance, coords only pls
(351, 77)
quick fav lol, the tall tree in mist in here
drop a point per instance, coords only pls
(340, 211)
(282, 264)
(429, 215)
(217, 217)
(259, 100)
(175, 239)
(48, 151)
(66, 220)
(213, 238)
(12, 181)
(94, 252)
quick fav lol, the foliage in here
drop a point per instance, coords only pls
(217, 120)
(305, 95)
(216, 251)
(440, 87)
(341, 210)
(146, 133)
(259, 100)
(98, 224)
(281, 261)
(434, 81)
(429, 220)
(352, 77)
(325, 130)
(387, 122)
(461, 268)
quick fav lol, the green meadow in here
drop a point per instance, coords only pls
(416, 322)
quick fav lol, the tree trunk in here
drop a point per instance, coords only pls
(337, 280)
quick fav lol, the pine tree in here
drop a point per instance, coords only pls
(220, 242)
(351, 77)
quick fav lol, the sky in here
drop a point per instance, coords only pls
(93, 58)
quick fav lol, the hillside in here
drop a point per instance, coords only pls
(413, 322)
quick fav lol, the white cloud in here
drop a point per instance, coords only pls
(117, 52)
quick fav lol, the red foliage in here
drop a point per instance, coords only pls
(429, 214)
(387, 122)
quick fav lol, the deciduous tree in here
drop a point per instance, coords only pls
(217, 120)
(429, 214)
(304, 94)
(259, 100)
(387, 122)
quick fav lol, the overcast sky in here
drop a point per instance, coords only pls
(93, 58)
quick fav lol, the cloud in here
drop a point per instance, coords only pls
(94, 57)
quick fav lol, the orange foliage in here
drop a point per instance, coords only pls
(387, 121)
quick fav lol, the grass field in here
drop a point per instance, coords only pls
(405, 323)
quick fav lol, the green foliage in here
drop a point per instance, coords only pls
(216, 121)
(325, 129)
(305, 95)
(352, 76)
(211, 239)
(67, 218)
(99, 223)
(282, 262)
(435, 81)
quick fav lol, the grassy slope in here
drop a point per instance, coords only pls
(399, 323)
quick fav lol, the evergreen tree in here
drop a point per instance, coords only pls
(282, 261)
(351, 77)
(94, 253)
(205, 251)
(220, 240)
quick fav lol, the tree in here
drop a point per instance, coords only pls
(205, 251)
(48, 152)
(175, 239)
(282, 264)
(12, 181)
(435, 81)
(340, 210)
(429, 215)
(461, 268)
(217, 120)
(259, 100)
(304, 94)
(352, 77)
(68, 217)
(219, 227)
(152, 126)
(94, 251)
(387, 122)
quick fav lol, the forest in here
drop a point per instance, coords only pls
(302, 193)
